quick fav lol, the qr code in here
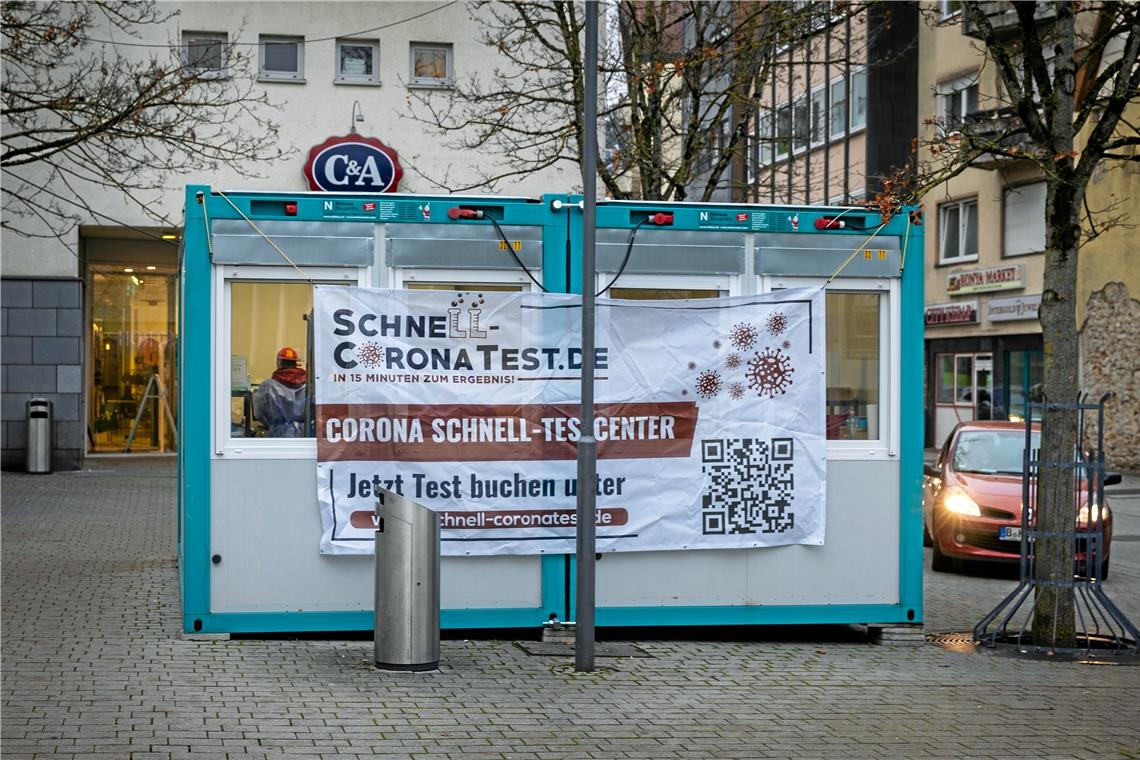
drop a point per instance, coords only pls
(748, 486)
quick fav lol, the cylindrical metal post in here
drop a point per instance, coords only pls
(39, 437)
(587, 445)
(407, 584)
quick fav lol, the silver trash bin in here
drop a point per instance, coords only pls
(39, 449)
(407, 584)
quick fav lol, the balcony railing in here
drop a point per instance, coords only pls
(1003, 18)
(1002, 127)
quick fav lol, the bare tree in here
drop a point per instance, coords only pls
(681, 81)
(1068, 72)
(84, 114)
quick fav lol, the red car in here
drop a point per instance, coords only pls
(971, 500)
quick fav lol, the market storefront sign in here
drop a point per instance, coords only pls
(985, 280)
(961, 313)
(1010, 309)
(353, 163)
(710, 434)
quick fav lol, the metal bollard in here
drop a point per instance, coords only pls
(407, 584)
(39, 448)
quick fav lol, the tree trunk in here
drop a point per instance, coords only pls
(1054, 619)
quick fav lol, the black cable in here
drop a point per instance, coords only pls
(511, 250)
(625, 260)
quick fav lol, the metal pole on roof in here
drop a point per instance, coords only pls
(587, 446)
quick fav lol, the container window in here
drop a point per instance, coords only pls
(853, 341)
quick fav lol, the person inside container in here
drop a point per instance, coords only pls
(281, 402)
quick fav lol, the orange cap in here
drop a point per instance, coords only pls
(288, 354)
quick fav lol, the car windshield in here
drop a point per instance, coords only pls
(992, 452)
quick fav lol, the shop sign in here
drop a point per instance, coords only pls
(468, 403)
(1009, 309)
(984, 280)
(963, 313)
(353, 163)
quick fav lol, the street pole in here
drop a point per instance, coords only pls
(587, 445)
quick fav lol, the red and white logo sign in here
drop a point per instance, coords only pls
(353, 163)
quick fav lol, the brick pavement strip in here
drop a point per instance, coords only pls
(94, 667)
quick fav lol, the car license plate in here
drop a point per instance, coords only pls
(1009, 534)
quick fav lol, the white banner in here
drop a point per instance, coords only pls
(709, 416)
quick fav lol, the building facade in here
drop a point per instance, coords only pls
(90, 317)
(985, 260)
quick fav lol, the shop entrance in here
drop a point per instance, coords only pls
(132, 373)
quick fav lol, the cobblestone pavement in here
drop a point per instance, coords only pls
(94, 667)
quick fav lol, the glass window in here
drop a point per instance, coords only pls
(783, 130)
(944, 394)
(964, 379)
(853, 366)
(357, 62)
(1023, 222)
(661, 294)
(431, 64)
(838, 107)
(282, 58)
(819, 117)
(949, 8)
(490, 287)
(859, 99)
(956, 98)
(206, 52)
(269, 338)
(958, 231)
(764, 130)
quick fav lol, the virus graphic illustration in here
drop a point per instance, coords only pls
(692, 365)
(743, 336)
(733, 361)
(736, 391)
(787, 344)
(770, 373)
(777, 323)
(708, 384)
(370, 355)
(716, 343)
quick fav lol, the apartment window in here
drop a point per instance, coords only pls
(783, 140)
(858, 99)
(838, 107)
(819, 117)
(432, 65)
(958, 232)
(764, 129)
(1023, 223)
(357, 62)
(949, 8)
(282, 58)
(800, 123)
(206, 52)
(956, 98)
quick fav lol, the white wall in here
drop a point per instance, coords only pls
(311, 111)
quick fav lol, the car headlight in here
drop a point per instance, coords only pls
(959, 502)
(1093, 509)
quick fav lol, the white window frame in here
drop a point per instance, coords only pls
(221, 38)
(339, 77)
(854, 125)
(269, 75)
(886, 446)
(801, 112)
(225, 447)
(765, 148)
(961, 258)
(726, 284)
(1028, 209)
(836, 131)
(954, 95)
(781, 152)
(946, 12)
(448, 80)
(818, 121)
(400, 277)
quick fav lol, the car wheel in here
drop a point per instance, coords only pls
(1104, 569)
(939, 562)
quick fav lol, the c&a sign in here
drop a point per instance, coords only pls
(353, 163)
